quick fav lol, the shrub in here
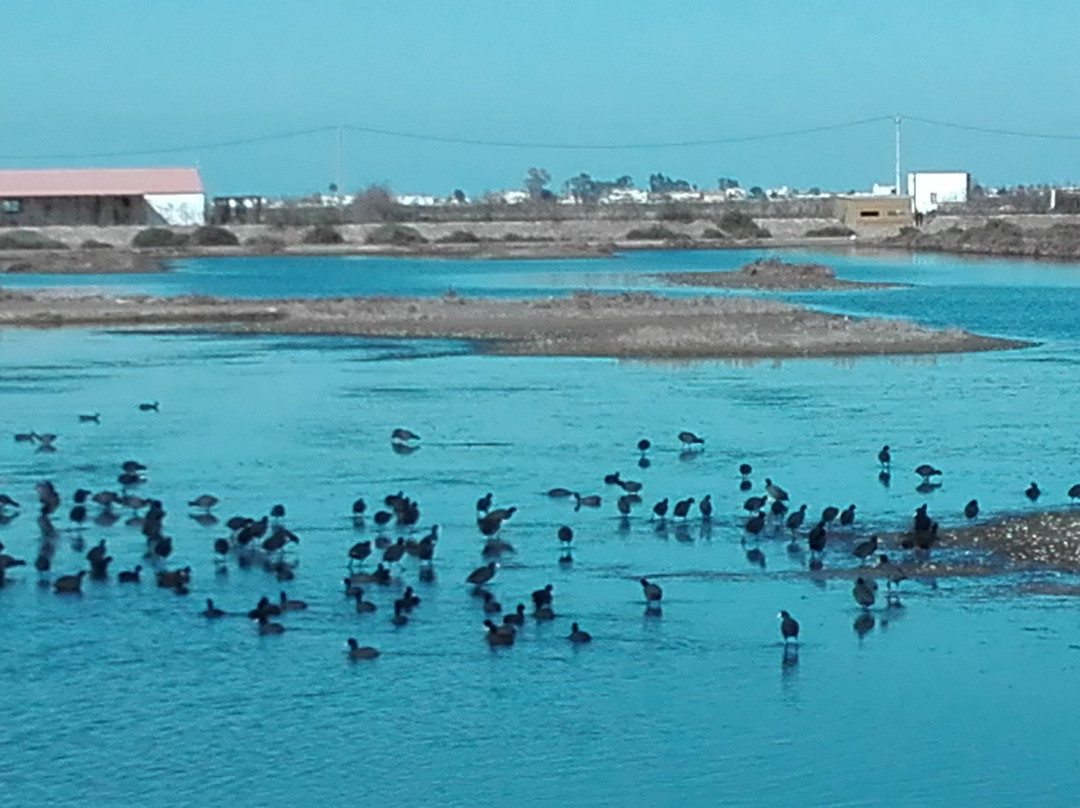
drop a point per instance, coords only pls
(740, 225)
(831, 231)
(654, 232)
(94, 244)
(400, 235)
(213, 236)
(322, 234)
(712, 233)
(461, 237)
(266, 243)
(675, 212)
(29, 240)
(157, 237)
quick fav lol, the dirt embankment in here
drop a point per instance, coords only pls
(996, 237)
(771, 274)
(585, 324)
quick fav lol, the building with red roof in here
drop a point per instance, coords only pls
(101, 196)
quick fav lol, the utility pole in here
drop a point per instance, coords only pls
(341, 161)
(897, 121)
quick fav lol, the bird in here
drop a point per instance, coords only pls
(359, 506)
(653, 592)
(817, 537)
(287, 605)
(756, 523)
(778, 508)
(483, 505)
(403, 435)
(566, 534)
(775, 491)
(577, 635)
(542, 597)
(277, 512)
(399, 618)
(745, 469)
(360, 551)
(516, 617)
(204, 501)
(891, 571)
(884, 458)
(150, 406)
(926, 471)
(755, 503)
(69, 584)
(864, 549)
(363, 606)
(1033, 492)
(847, 516)
(266, 627)
(90, 418)
(589, 501)
(971, 510)
(830, 513)
(212, 611)
(863, 592)
(1074, 492)
(491, 606)
(644, 445)
(789, 627)
(690, 439)
(682, 507)
(130, 576)
(481, 575)
(795, 519)
(500, 635)
(706, 508)
(358, 651)
(7, 502)
(559, 493)
(395, 552)
(623, 504)
(660, 509)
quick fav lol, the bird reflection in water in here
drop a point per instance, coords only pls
(864, 624)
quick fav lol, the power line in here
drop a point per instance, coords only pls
(990, 130)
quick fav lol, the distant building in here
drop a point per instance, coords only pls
(929, 189)
(615, 196)
(102, 196)
(861, 211)
(417, 200)
(880, 189)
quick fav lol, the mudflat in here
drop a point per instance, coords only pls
(771, 274)
(628, 325)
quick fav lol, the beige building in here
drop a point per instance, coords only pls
(863, 211)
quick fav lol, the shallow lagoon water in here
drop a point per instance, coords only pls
(125, 695)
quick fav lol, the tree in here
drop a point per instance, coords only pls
(536, 182)
(583, 188)
(662, 184)
(757, 192)
(727, 183)
(459, 196)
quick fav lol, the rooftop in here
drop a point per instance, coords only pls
(100, 182)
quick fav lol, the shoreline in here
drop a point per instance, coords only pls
(627, 325)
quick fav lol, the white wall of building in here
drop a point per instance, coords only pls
(928, 189)
(179, 209)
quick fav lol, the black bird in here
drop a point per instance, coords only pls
(775, 491)
(1032, 492)
(690, 439)
(789, 627)
(705, 506)
(152, 406)
(778, 508)
(383, 518)
(817, 537)
(78, 514)
(483, 505)
(754, 504)
(922, 521)
(926, 471)
(756, 523)
(1074, 492)
(864, 549)
(277, 512)
(884, 458)
(623, 504)
(358, 507)
(48, 497)
(830, 513)
(130, 576)
(795, 520)
(221, 547)
(542, 597)
(682, 507)
(612, 479)
(653, 593)
(745, 469)
(863, 592)
(644, 445)
(847, 516)
(971, 510)
(7, 502)
(660, 508)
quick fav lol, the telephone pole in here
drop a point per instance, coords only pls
(341, 161)
(897, 121)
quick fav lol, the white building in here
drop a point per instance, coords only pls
(928, 189)
(617, 195)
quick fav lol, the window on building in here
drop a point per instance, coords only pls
(10, 206)
(869, 214)
(933, 199)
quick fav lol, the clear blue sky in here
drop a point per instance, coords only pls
(119, 75)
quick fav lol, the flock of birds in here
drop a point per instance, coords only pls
(268, 543)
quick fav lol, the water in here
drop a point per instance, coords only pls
(126, 696)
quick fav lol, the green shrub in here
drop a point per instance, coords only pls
(655, 232)
(740, 225)
(29, 240)
(713, 233)
(213, 236)
(400, 235)
(461, 237)
(675, 212)
(831, 231)
(158, 237)
(323, 234)
(94, 244)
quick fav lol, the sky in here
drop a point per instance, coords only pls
(96, 83)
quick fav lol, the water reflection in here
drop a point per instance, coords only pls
(864, 624)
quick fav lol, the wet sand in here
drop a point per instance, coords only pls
(584, 324)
